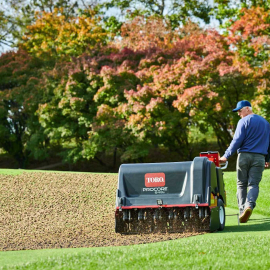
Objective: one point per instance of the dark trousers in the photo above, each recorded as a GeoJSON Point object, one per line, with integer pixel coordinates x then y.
{"type": "Point", "coordinates": [249, 174]}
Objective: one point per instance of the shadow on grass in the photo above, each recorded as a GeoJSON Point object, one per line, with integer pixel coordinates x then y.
{"type": "Point", "coordinates": [262, 224]}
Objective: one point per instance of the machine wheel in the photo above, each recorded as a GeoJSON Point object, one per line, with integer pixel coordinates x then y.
{"type": "Point", "coordinates": [221, 214]}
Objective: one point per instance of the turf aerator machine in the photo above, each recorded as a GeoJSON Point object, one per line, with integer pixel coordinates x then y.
{"type": "Point", "coordinates": [171, 197]}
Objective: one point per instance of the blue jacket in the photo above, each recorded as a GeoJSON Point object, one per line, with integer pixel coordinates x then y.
{"type": "Point", "coordinates": [252, 135]}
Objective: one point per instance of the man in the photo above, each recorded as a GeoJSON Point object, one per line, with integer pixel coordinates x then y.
{"type": "Point", "coordinates": [251, 141]}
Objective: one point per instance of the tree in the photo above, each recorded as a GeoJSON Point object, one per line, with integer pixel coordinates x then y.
{"type": "Point", "coordinates": [67, 114]}
{"type": "Point", "coordinates": [176, 12]}
{"type": "Point", "coordinates": [29, 78]}
{"type": "Point", "coordinates": [183, 82]}
{"type": "Point", "coordinates": [79, 91]}
{"type": "Point", "coordinates": [17, 15]}
{"type": "Point", "coordinates": [230, 11]}
{"type": "Point", "coordinates": [19, 98]}
{"type": "Point", "coordinates": [250, 38]}
{"type": "Point", "coordinates": [7, 26]}
{"type": "Point", "coordinates": [212, 80]}
{"type": "Point", "coordinates": [53, 36]}
{"type": "Point", "coordinates": [250, 35]}
{"type": "Point", "coordinates": [68, 118]}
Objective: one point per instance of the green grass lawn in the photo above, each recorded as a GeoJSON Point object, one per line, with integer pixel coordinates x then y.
{"type": "Point", "coordinates": [237, 247]}
{"type": "Point", "coordinates": [263, 202]}
{"type": "Point", "coordinates": [20, 171]}
{"type": "Point", "coordinates": [11, 171]}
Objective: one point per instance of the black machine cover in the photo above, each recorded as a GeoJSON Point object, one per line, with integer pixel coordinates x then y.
{"type": "Point", "coordinates": [172, 183]}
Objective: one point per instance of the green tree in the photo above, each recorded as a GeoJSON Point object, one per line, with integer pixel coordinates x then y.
{"type": "Point", "coordinates": [53, 36]}
{"type": "Point", "coordinates": [29, 78]}
{"type": "Point", "coordinates": [176, 12]}
{"type": "Point", "coordinates": [68, 114]}
{"type": "Point", "coordinates": [17, 15]}
{"type": "Point", "coordinates": [19, 98]}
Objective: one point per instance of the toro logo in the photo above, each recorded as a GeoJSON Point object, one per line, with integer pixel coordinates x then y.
{"type": "Point", "coordinates": [154, 179]}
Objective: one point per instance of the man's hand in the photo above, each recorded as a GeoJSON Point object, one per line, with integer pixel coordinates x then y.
{"type": "Point", "coordinates": [222, 159]}
{"type": "Point", "coordinates": [266, 165]}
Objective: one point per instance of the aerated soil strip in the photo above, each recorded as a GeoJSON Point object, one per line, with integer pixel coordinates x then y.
{"type": "Point", "coordinates": [62, 210]}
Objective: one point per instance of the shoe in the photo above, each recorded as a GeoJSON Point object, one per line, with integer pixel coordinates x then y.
{"type": "Point", "coordinates": [244, 217]}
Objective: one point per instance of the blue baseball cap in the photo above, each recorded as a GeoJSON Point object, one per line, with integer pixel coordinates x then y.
{"type": "Point", "coordinates": [241, 104]}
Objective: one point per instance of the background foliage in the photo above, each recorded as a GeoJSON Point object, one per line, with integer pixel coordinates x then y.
{"type": "Point", "coordinates": [149, 85]}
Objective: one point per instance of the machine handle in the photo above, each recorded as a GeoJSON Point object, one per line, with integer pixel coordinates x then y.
{"type": "Point", "coordinates": [225, 166]}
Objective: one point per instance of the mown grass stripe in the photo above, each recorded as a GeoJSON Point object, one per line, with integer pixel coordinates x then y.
{"type": "Point", "coordinates": [20, 171]}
